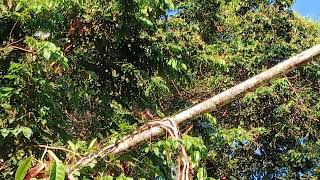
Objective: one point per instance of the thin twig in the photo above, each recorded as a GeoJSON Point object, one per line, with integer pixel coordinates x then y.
{"type": "Point", "coordinates": [2, 49]}
{"type": "Point", "coordinates": [45, 151]}
{"type": "Point", "coordinates": [174, 85]}
{"type": "Point", "coordinates": [59, 148]}
{"type": "Point", "coordinates": [300, 99]}
{"type": "Point", "coordinates": [14, 42]}
{"type": "Point", "coordinates": [12, 30]}
{"type": "Point", "coordinates": [23, 49]}
{"type": "Point", "coordinates": [188, 129]}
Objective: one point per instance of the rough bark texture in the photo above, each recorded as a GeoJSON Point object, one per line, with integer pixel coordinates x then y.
{"type": "Point", "coordinates": [147, 133]}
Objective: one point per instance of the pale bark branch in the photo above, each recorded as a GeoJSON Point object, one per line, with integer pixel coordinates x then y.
{"type": "Point", "coordinates": [150, 132]}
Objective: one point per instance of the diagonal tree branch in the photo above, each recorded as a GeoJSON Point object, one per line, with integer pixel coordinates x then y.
{"type": "Point", "coordinates": [151, 131]}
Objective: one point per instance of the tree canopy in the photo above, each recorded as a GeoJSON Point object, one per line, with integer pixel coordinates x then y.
{"type": "Point", "coordinates": [78, 75]}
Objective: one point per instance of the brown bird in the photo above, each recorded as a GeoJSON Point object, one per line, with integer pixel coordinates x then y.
{"type": "Point", "coordinates": [145, 115]}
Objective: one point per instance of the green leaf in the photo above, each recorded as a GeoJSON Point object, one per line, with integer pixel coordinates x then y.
{"type": "Point", "coordinates": [6, 89]}
{"type": "Point", "coordinates": [187, 142]}
{"type": "Point", "coordinates": [27, 132]}
{"type": "Point", "coordinates": [5, 132]}
{"type": "Point", "coordinates": [169, 4]}
{"type": "Point", "coordinates": [52, 47]}
{"type": "Point", "coordinates": [76, 173]}
{"type": "Point", "coordinates": [46, 54]}
{"type": "Point", "coordinates": [202, 174]}
{"type": "Point", "coordinates": [156, 151]}
{"type": "Point", "coordinates": [6, 106]}
{"type": "Point", "coordinates": [123, 177]}
{"type": "Point", "coordinates": [211, 119]}
{"type": "Point", "coordinates": [173, 63]}
{"type": "Point", "coordinates": [16, 131]}
{"type": "Point", "coordinates": [197, 156]}
{"type": "Point", "coordinates": [57, 171]}
{"type": "Point", "coordinates": [92, 144]}
{"type": "Point", "coordinates": [19, 6]}
{"type": "Point", "coordinates": [3, 95]}
{"type": "Point", "coordinates": [15, 67]}
{"type": "Point", "coordinates": [53, 156]}
{"type": "Point", "coordinates": [72, 146]}
{"type": "Point", "coordinates": [64, 62]}
{"type": "Point", "coordinates": [106, 178]}
{"type": "Point", "coordinates": [23, 168]}
{"type": "Point", "coordinates": [92, 164]}
{"type": "Point", "coordinates": [10, 76]}
{"type": "Point", "coordinates": [184, 66]}
{"type": "Point", "coordinates": [146, 21]}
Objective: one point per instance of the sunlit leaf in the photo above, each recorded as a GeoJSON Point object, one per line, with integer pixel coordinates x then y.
{"type": "Point", "coordinates": [23, 168]}
{"type": "Point", "coordinates": [93, 144]}
{"type": "Point", "coordinates": [53, 156]}
{"type": "Point", "coordinates": [57, 171]}
{"type": "Point", "coordinates": [146, 21]}
{"type": "Point", "coordinates": [4, 132]}
{"type": "Point", "coordinates": [46, 53]}
{"type": "Point", "coordinates": [27, 132]}
{"type": "Point", "coordinates": [202, 174]}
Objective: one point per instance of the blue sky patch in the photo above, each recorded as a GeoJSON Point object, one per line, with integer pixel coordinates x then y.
{"type": "Point", "coordinates": [308, 8]}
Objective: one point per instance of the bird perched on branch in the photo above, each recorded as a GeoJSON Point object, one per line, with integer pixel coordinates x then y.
{"type": "Point", "coordinates": [145, 115]}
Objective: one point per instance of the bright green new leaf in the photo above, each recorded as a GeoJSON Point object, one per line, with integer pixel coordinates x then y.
{"type": "Point", "coordinates": [46, 53]}
{"type": "Point", "coordinates": [23, 168]}
{"type": "Point", "coordinates": [4, 132]}
{"type": "Point", "coordinates": [57, 171]}
{"type": "Point", "coordinates": [10, 76]}
{"type": "Point", "coordinates": [15, 67]}
{"type": "Point", "coordinates": [202, 174]}
{"type": "Point", "coordinates": [184, 66]}
{"type": "Point", "coordinates": [197, 156]}
{"type": "Point", "coordinates": [93, 144]}
{"type": "Point", "coordinates": [173, 63]}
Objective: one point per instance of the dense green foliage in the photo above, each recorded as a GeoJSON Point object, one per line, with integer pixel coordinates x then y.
{"type": "Point", "coordinates": [73, 72]}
